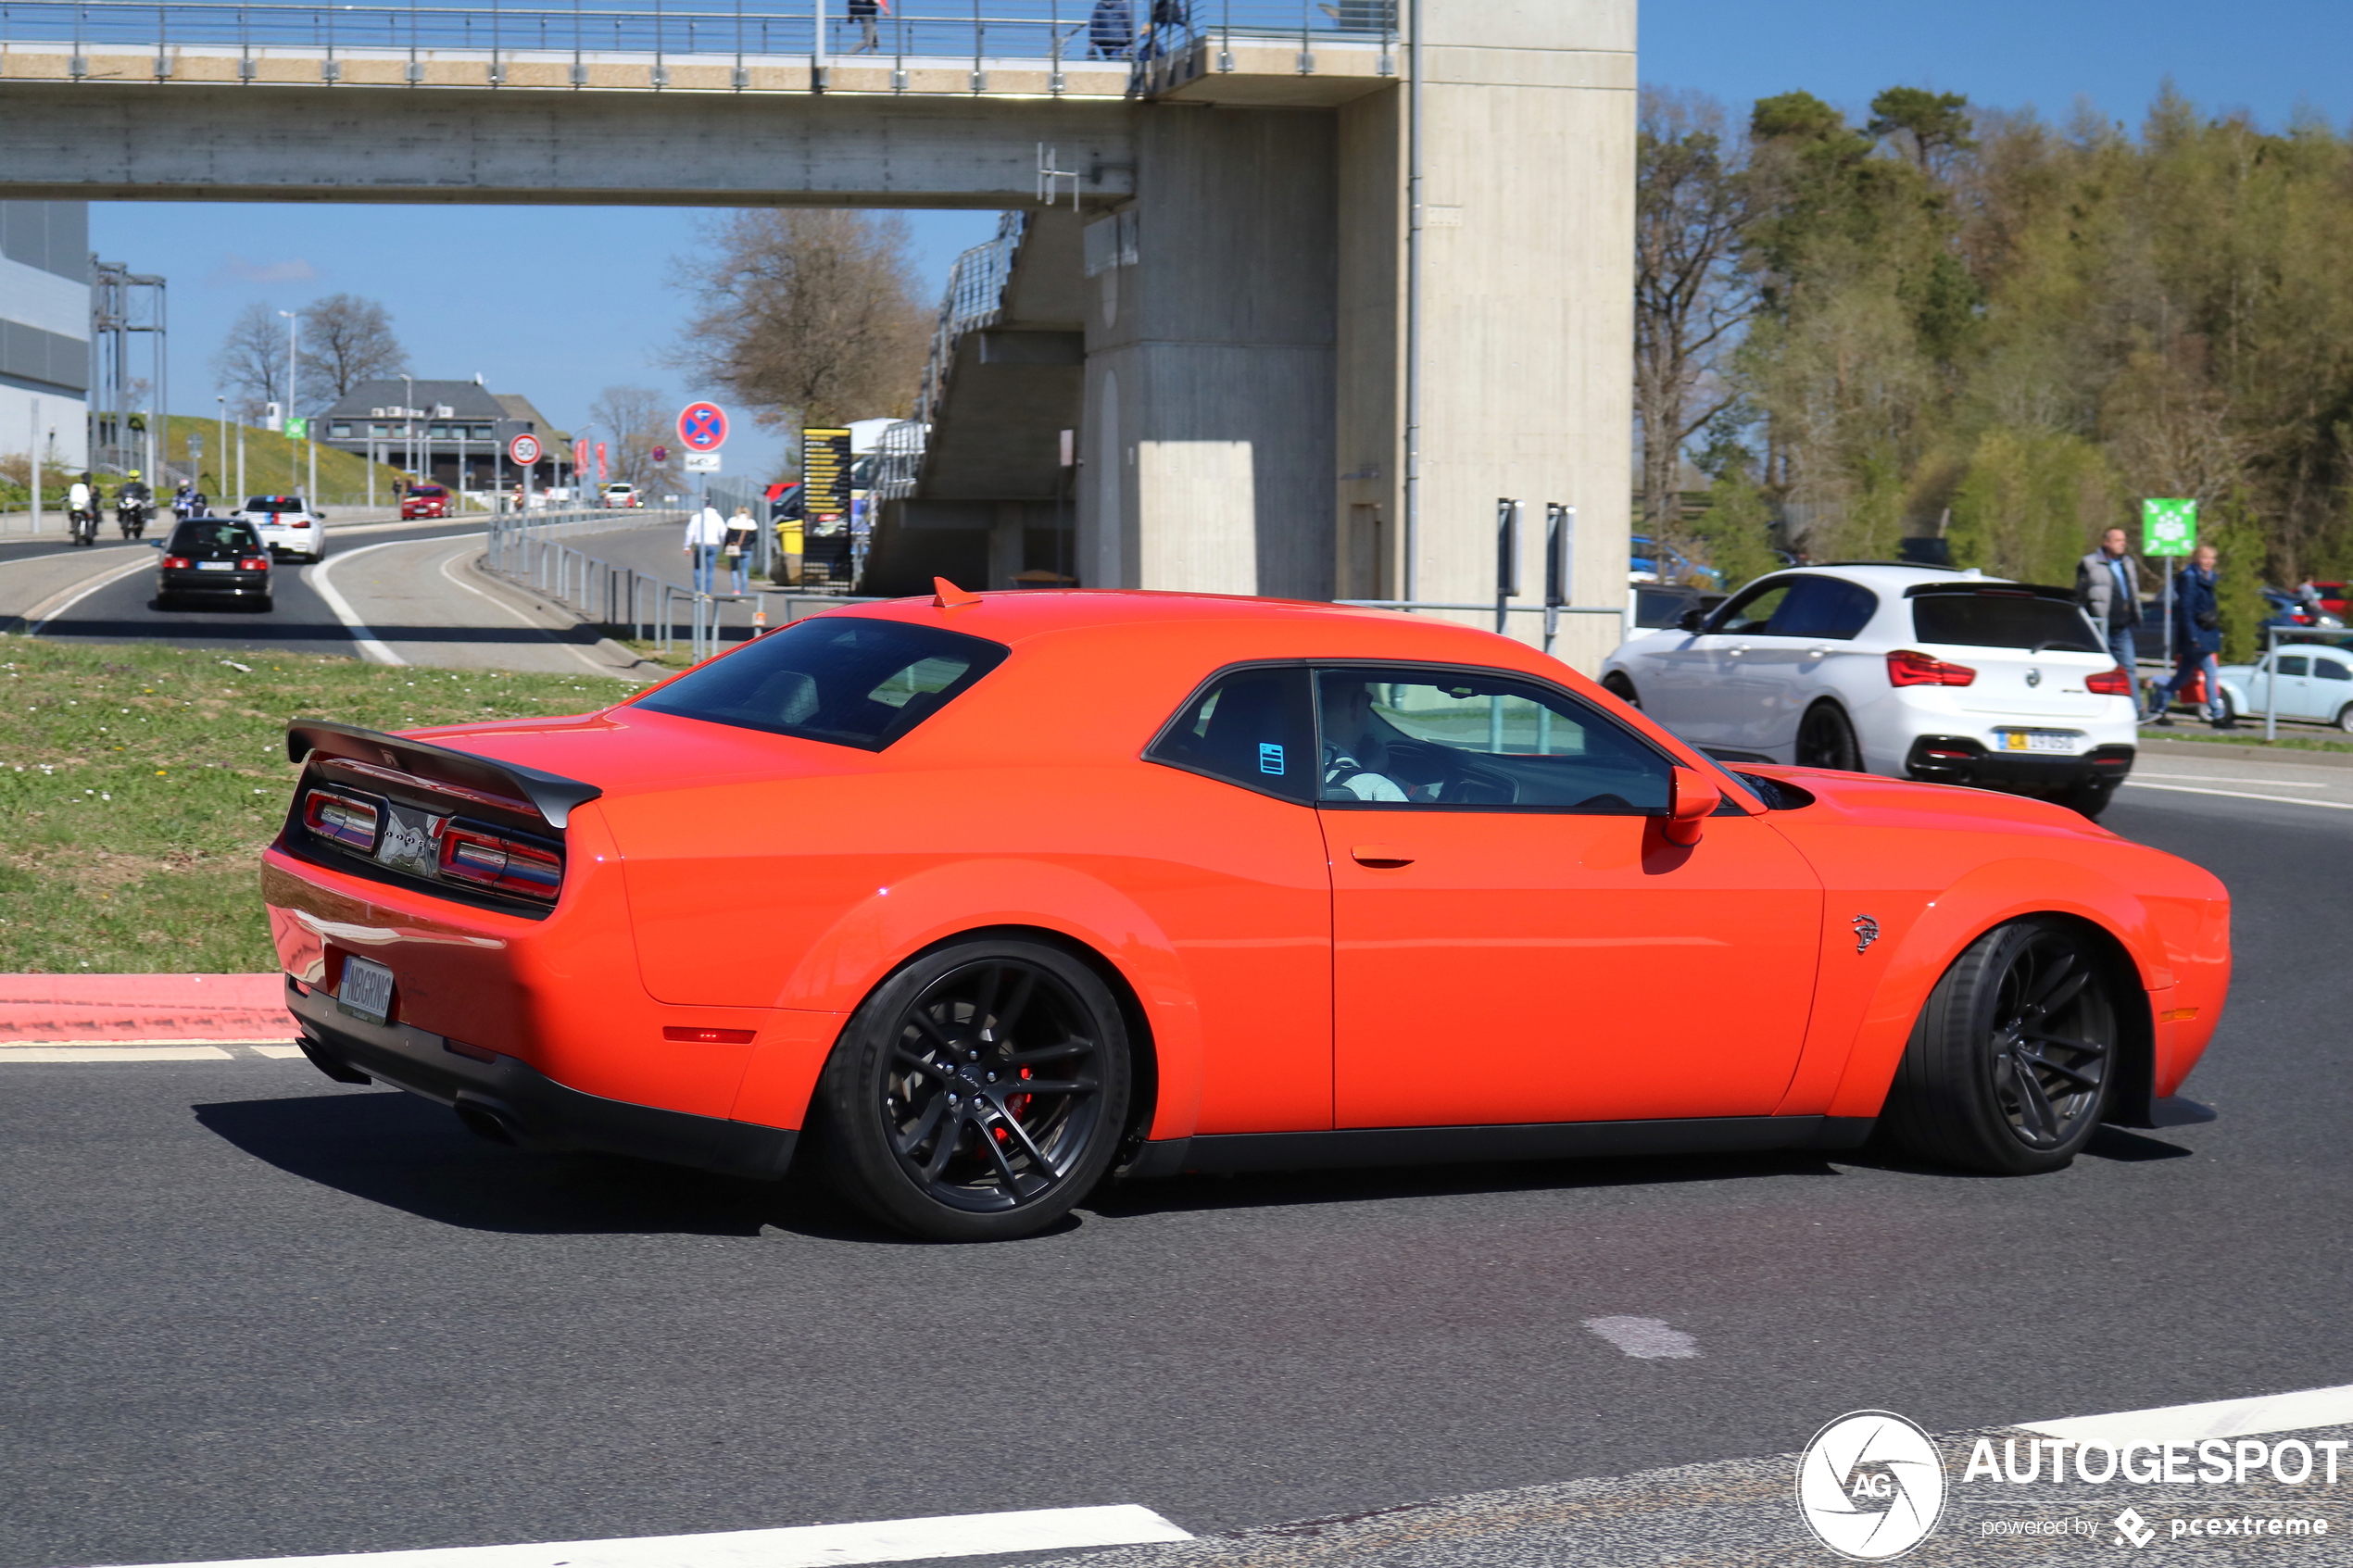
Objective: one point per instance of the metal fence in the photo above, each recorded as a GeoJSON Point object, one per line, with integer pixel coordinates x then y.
{"type": "Point", "coordinates": [817, 30]}
{"type": "Point", "coordinates": [530, 551]}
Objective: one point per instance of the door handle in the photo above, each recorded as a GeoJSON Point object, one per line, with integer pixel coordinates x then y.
{"type": "Point", "coordinates": [1379, 855]}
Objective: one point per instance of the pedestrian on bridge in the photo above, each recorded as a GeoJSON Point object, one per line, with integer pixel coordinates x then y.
{"type": "Point", "coordinates": [865, 13]}
{"type": "Point", "coordinates": [706, 531]}
{"type": "Point", "coordinates": [1111, 30]}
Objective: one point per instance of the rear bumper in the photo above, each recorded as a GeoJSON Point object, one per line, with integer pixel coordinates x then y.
{"type": "Point", "coordinates": [509, 1100]}
{"type": "Point", "coordinates": [239, 585]}
{"type": "Point", "coordinates": [1964, 761]}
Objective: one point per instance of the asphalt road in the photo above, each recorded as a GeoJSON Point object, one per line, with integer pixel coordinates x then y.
{"type": "Point", "coordinates": [252, 1312]}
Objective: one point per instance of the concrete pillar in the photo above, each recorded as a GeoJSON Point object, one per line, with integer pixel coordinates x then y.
{"type": "Point", "coordinates": [1210, 359]}
{"type": "Point", "coordinates": [1528, 315]}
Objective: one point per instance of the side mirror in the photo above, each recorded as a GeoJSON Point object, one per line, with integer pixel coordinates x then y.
{"type": "Point", "coordinates": [1692, 620]}
{"type": "Point", "coordinates": [322, 516]}
{"type": "Point", "coordinates": [1691, 800]}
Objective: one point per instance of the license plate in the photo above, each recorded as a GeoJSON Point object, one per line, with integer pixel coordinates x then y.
{"type": "Point", "coordinates": [367, 990]}
{"type": "Point", "coordinates": [216, 566]}
{"type": "Point", "coordinates": [2038, 740]}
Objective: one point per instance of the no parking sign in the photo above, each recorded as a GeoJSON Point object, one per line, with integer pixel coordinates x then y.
{"type": "Point", "coordinates": [702, 427]}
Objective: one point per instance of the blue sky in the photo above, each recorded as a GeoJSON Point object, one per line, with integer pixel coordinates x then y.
{"type": "Point", "coordinates": [559, 302]}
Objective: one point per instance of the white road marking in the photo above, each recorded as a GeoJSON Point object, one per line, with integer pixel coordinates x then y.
{"type": "Point", "coordinates": [369, 647]}
{"type": "Point", "coordinates": [115, 1053]}
{"type": "Point", "coordinates": [2241, 795]}
{"type": "Point", "coordinates": [1645, 1338]}
{"type": "Point", "coordinates": [117, 1044]}
{"type": "Point", "coordinates": [2228, 778]}
{"type": "Point", "coordinates": [577, 652]}
{"type": "Point", "coordinates": [805, 1546]}
{"type": "Point", "coordinates": [282, 1053]}
{"type": "Point", "coordinates": [102, 579]}
{"type": "Point", "coordinates": [2217, 1418]}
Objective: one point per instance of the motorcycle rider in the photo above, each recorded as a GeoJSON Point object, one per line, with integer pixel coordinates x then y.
{"type": "Point", "coordinates": [82, 511]}
{"type": "Point", "coordinates": [133, 504]}
{"type": "Point", "coordinates": [184, 501]}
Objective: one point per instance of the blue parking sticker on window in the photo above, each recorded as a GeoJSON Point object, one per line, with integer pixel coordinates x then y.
{"type": "Point", "coordinates": [1270, 759]}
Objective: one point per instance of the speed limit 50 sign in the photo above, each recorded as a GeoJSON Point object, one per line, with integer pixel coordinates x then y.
{"type": "Point", "coordinates": [524, 448]}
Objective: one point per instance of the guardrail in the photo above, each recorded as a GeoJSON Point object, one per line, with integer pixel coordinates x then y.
{"type": "Point", "coordinates": [529, 553]}
{"type": "Point", "coordinates": [1138, 31]}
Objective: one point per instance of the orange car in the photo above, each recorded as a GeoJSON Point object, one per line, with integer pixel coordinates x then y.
{"type": "Point", "coordinates": [993, 895]}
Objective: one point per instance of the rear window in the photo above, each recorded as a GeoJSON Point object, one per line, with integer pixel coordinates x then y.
{"type": "Point", "coordinates": [1997, 619]}
{"type": "Point", "coordinates": [274, 504]}
{"type": "Point", "coordinates": [198, 534]}
{"type": "Point", "coordinates": [840, 679]}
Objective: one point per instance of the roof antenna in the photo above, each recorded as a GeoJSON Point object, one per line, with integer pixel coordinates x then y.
{"type": "Point", "coordinates": [947, 595]}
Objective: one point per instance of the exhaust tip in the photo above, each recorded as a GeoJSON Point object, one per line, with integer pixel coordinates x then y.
{"type": "Point", "coordinates": [487, 1122]}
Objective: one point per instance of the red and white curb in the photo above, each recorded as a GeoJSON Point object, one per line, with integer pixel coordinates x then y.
{"type": "Point", "coordinates": [142, 1017]}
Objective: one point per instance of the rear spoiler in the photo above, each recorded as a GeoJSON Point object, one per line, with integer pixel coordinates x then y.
{"type": "Point", "coordinates": [1993, 588]}
{"type": "Point", "coordinates": [551, 795]}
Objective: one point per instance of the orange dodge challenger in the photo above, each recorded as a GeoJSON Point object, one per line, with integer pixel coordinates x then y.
{"type": "Point", "coordinates": [971, 901]}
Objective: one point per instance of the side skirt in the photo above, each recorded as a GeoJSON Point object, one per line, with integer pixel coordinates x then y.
{"type": "Point", "coordinates": [1222, 1152]}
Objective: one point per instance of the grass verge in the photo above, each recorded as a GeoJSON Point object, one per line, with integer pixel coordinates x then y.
{"type": "Point", "coordinates": [2244, 737]}
{"type": "Point", "coordinates": [139, 783]}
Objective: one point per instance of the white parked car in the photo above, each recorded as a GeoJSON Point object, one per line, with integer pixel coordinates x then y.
{"type": "Point", "coordinates": [287, 525]}
{"type": "Point", "coordinates": [621, 496]}
{"type": "Point", "coordinates": [2316, 683]}
{"type": "Point", "coordinates": [1912, 671]}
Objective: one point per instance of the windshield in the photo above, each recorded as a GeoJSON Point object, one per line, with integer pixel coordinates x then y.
{"type": "Point", "coordinates": [274, 504]}
{"type": "Point", "coordinates": [840, 679]}
{"type": "Point", "coordinates": [199, 536]}
{"type": "Point", "coordinates": [1994, 617]}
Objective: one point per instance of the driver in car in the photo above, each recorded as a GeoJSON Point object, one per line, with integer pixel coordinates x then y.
{"type": "Point", "coordinates": [1354, 749]}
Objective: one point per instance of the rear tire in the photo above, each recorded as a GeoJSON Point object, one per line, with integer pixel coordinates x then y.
{"type": "Point", "coordinates": [2008, 1067]}
{"type": "Point", "coordinates": [1826, 740]}
{"type": "Point", "coordinates": [1619, 686]}
{"type": "Point", "coordinates": [2345, 717]}
{"type": "Point", "coordinates": [977, 1094]}
{"type": "Point", "coordinates": [2091, 797]}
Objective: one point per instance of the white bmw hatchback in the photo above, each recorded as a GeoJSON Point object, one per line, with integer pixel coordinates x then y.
{"type": "Point", "coordinates": [287, 525]}
{"type": "Point", "coordinates": [1912, 671]}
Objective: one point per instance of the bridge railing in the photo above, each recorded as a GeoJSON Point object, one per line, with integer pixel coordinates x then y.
{"type": "Point", "coordinates": [1138, 31]}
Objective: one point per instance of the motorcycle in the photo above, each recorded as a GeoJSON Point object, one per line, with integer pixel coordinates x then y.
{"type": "Point", "coordinates": [83, 522]}
{"type": "Point", "coordinates": [130, 515]}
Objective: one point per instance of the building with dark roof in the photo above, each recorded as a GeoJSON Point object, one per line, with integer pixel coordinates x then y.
{"type": "Point", "coordinates": [453, 432]}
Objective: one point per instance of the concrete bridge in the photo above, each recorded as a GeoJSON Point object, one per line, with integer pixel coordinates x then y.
{"type": "Point", "coordinates": [1213, 292]}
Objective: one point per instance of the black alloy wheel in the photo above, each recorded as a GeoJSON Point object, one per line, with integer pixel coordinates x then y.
{"type": "Point", "coordinates": [979, 1093]}
{"type": "Point", "coordinates": [2009, 1068]}
{"type": "Point", "coordinates": [1619, 686]}
{"type": "Point", "coordinates": [2345, 717]}
{"type": "Point", "coordinates": [1826, 740]}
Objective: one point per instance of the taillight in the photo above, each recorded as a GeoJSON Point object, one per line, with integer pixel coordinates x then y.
{"type": "Point", "coordinates": [2110, 682]}
{"type": "Point", "coordinates": [503, 865]}
{"type": "Point", "coordinates": [341, 818]}
{"type": "Point", "coordinates": [254, 563]}
{"type": "Point", "coordinates": [176, 563]}
{"type": "Point", "coordinates": [1908, 667]}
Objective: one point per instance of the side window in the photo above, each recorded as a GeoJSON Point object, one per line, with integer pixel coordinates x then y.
{"type": "Point", "coordinates": [1255, 728]}
{"type": "Point", "coordinates": [1753, 610]}
{"type": "Point", "coordinates": [1823, 607]}
{"type": "Point", "coordinates": [2330, 670]}
{"type": "Point", "coordinates": [1477, 740]}
{"type": "Point", "coordinates": [2292, 664]}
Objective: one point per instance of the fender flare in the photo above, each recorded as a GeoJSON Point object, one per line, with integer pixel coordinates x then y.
{"type": "Point", "coordinates": [1989, 895]}
{"type": "Point", "coordinates": [874, 937]}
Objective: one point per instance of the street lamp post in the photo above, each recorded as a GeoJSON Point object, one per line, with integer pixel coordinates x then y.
{"type": "Point", "coordinates": [294, 336]}
{"type": "Point", "coordinates": [223, 448]}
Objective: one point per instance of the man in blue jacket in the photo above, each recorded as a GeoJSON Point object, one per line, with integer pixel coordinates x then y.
{"type": "Point", "coordinates": [2198, 639]}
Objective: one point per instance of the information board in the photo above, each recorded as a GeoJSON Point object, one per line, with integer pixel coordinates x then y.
{"type": "Point", "coordinates": [2168, 527]}
{"type": "Point", "coordinates": [825, 470]}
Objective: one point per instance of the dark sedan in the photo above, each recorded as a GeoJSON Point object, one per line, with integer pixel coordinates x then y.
{"type": "Point", "coordinates": [214, 558]}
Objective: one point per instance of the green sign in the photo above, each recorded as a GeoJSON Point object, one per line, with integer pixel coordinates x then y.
{"type": "Point", "coordinates": [299, 430]}
{"type": "Point", "coordinates": [2169, 528]}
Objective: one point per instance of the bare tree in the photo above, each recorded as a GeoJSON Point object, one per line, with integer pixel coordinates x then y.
{"type": "Point", "coordinates": [251, 363]}
{"type": "Point", "coordinates": [346, 340]}
{"type": "Point", "coordinates": [808, 316]}
{"type": "Point", "coordinates": [1691, 296]}
{"type": "Point", "coordinates": [635, 419]}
